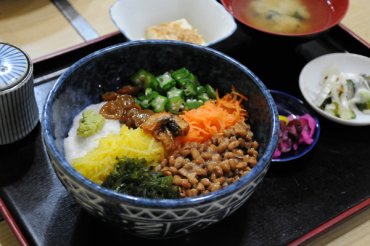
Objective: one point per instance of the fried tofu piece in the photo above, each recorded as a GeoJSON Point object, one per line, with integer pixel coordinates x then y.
{"type": "Point", "coordinates": [180, 30]}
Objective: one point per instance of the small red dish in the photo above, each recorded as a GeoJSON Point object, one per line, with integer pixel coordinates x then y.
{"type": "Point", "coordinates": [313, 16]}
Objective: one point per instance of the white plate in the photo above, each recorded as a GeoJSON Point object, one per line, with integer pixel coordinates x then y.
{"type": "Point", "coordinates": [311, 76]}
{"type": "Point", "coordinates": [210, 18]}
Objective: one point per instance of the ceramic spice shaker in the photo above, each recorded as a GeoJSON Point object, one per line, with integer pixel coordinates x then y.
{"type": "Point", "coordinates": [18, 107]}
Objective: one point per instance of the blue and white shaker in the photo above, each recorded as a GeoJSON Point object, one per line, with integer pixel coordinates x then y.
{"type": "Point", "coordinates": [18, 107]}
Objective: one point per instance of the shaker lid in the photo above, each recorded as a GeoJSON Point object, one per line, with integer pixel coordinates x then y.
{"type": "Point", "coordinates": [14, 66]}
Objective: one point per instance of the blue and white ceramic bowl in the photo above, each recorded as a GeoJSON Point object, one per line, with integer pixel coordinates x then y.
{"type": "Point", "coordinates": [84, 82]}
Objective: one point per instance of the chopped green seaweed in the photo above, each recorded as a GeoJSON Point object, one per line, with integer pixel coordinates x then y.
{"type": "Point", "coordinates": [136, 177]}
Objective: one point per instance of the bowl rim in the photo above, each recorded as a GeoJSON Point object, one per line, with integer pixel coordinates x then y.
{"type": "Point", "coordinates": [316, 135]}
{"type": "Point", "coordinates": [53, 151]}
{"type": "Point", "coordinates": [218, 5]}
{"type": "Point", "coordinates": [297, 35]}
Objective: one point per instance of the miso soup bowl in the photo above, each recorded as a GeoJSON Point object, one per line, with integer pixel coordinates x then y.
{"type": "Point", "coordinates": [324, 14]}
{"type": "Point", "coordinates": [84, 82]}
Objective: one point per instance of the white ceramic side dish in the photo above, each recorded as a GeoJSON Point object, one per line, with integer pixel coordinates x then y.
{"type": "Point", "coordinates": [312, 74]}
{"type": "Point", "coordinates": [210, 18]}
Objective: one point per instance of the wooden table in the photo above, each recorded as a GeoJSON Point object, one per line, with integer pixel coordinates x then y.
{"type": "Point", "coordinates": [39, 28]}
{"type": "Point", "coordinates": [357, 20]}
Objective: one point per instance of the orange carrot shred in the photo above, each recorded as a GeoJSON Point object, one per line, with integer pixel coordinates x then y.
{"type": "Point", "coordinates": [213, 117]}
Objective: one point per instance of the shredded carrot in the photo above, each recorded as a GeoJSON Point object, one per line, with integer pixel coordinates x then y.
{"type": "Point", "coordinates": [213, 117]}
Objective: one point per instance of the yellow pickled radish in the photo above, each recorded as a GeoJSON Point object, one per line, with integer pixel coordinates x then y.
{"type": "Point", "coordinates": [283, 118]}
{"type": "Point", "coordinates": [99, 162]}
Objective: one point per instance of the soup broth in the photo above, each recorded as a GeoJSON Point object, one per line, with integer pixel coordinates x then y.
{"type": "Point", "coordinates": [286, 16]}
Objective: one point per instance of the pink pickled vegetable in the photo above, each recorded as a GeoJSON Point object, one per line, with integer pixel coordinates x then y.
{"type": "Point", "coordinates": [298, 130]}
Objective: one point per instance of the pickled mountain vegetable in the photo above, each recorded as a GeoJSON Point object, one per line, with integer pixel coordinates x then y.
{"type": "Point", "coordinates": [165, 127]}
